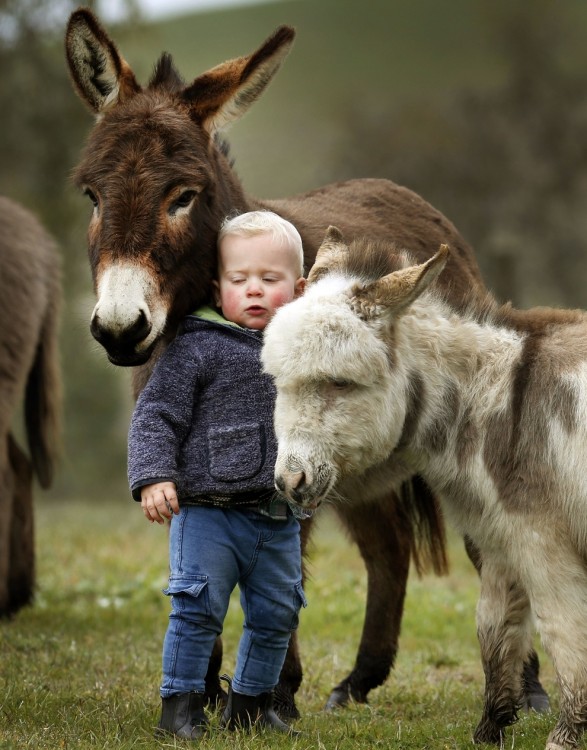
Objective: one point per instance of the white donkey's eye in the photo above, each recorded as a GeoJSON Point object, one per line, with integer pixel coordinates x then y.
{"type": "Point", "coordinates": [340, 384]}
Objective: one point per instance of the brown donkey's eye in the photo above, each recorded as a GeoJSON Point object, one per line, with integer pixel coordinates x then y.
{"type": "Point", "coordinates": [91, 195]}
{"type": "Point", "coordinates": [183, 201]}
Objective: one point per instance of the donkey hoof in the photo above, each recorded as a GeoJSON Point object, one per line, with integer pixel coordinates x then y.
{"type": "Point", "coordinates": [215, 697]}
{"type": "Point", "coordinates": [342, 695]}
{"type": "Point", "coordinates": [538, 702]}
{"type": "Point", "coordinates": [338, 698]}
{"type": "Point", "coordinates": [284, 703]}
{"type": "Point", "coordinates": [488, 733]}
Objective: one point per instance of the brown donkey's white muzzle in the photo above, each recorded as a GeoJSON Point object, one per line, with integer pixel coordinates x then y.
{"type": "Point", "coordinates": [129, 316]}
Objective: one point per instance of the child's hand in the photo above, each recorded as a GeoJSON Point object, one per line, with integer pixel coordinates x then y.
{"type": "Point", "coordinates": [159, 501]}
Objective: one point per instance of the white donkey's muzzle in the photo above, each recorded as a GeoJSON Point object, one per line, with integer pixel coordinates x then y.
{"type": "Point", "coordinates": [303, 483]}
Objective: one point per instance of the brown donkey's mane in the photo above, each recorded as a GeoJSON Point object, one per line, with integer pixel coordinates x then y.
{"type": "Point", "coordinates": [371, 259]}
{"type": "Point", "coordinates": [165, 75]}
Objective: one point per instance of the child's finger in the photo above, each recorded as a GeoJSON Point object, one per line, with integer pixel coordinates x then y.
{"type": "Point", "coordinates": [172, 501]}
{"type": "Point", "coordinates": [162, 505]}
{"type": "Point", "coordinates": [151, 509]}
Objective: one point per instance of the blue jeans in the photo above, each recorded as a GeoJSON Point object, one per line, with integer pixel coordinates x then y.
{"type": "Point", "coordinates": [211, 550]}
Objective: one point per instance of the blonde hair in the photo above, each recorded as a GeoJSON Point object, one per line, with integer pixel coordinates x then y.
{"type": "Point", "coordinates": [254, 223]}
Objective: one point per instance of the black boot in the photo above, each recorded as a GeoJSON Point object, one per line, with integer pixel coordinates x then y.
{"type": "Point", "coordinates": [183, 715]}
{"type": "Point", "coordinates": [245, 711]}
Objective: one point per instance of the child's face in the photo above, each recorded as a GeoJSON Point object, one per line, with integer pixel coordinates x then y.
{"type": "Point", "coordinates": [256, 276]}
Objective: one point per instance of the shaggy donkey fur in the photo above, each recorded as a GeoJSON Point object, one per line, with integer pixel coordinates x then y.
{"type": "Point", "coordinates": [378, 379]}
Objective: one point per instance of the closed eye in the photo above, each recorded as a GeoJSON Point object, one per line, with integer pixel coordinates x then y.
{"type": "Point", "coordinates": [340, 384]}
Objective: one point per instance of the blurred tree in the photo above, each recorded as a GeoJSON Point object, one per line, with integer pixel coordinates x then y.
{"type": "Point", "coordinates": [42, 125]}
{"type": "Point", "coordinates": [508, 164]}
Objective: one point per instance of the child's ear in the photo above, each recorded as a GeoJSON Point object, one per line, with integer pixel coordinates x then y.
{"type": "Point", "coordinates": [299, 287]}
{"type": "Point", "coordinates": [216, 293]}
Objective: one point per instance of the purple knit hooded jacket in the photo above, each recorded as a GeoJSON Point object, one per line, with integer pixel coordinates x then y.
{"type": "Point", "coordinates": [205, 418]}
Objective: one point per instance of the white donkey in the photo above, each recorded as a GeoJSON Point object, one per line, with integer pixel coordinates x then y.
{"type": "Point", "coordinates": [378, 378]}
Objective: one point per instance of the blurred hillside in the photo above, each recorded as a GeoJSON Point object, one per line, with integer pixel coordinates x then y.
{"type": "Point", "coordinates": [478, 105]}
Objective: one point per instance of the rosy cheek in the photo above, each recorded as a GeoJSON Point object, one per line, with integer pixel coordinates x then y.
{"type": "Point", "coordinates": [230, 299]}
{"type": "Point", "coordinates": [279, 297]}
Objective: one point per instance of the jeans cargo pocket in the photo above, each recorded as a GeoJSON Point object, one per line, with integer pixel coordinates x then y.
{"type": "Point", "coordinates": [300, 601]}
{"type": "Point", "coordinates": [189, 596]}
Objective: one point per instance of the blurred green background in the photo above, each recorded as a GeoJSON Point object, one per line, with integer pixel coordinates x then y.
{"type": "Point", "coordinates": [478, 105]}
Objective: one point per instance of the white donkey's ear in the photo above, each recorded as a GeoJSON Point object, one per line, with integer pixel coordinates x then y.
{"type": "Point", "coordinates": [331, 253]}
{"type": "Point", "coordinates": [394, 293]}
{"type": "Point", "coordinates": [101, 76]}
{"type": "Point", "coordinates": [223, 94]}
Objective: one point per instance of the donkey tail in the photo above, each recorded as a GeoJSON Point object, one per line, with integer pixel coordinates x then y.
{"type": "Point", "coordinates": [425, 518]}
{"type": "Point", "coordinates": [43, 398]}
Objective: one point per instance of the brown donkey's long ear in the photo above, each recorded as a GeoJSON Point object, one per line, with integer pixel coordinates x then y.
{"type": "Point", "coordinates": [392, 294]}
{"type": "Point", "coordinates": [100, 74]}
{"type": "Point", "coordinates": [330, 254]}
{"type": "Point", "coordinates": [223, 94]}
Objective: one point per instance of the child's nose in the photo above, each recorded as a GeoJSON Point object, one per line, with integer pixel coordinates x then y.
{"type": "Point", "coordinates": [254, 287]}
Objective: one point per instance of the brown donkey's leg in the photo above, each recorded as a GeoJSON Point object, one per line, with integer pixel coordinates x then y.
{"type": "Point", "coordinates": [6, 511]}
{"type": "Point", "coordinates": [215, 695]}
{"type": "Point", "coordinates": [383, 532]}
{"type": "Point", "coordinates": [21, 571]}
{"type": "Point", "coordinates": [6, 505]}
{"type": "Point", "coordinates": [384, 539]}
{"type": "Point", "coordinates": [290, 678]}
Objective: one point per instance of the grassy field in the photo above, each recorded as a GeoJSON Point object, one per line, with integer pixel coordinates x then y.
{"type": "Point", "coordinates": [81, 668]}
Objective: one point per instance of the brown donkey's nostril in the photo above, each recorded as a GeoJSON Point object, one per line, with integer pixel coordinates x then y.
{"type": "Point", "coordinates": [134, 334]}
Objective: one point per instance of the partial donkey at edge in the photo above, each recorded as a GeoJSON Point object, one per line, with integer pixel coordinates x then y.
{"type": "Point", "coordinates": [30, 298]}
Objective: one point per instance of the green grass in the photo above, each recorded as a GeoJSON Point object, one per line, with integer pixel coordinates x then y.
{"type": "Point", "coordinates": [81, 668]}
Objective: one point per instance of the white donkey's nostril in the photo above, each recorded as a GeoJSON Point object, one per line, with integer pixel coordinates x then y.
{"type": "Point", "coordinates": [292, 484]}
{"type": "Point", "coordinates": [297, 480]}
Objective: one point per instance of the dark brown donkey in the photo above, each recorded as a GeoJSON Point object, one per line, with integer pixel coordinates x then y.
{"type": "Point", "coordinates": [29, 302]}
{"type": "Point", "coordinates": [160, 180]}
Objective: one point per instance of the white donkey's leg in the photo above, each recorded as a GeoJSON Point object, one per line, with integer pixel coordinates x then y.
{"type": "Point", "coordinates": [558, 589]}
{"type": "Point", "coordinates": [504, 632]}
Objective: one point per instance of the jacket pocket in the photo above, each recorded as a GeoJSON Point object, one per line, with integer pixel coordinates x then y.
{"type": "Point", "coordinates": [236, 453]}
